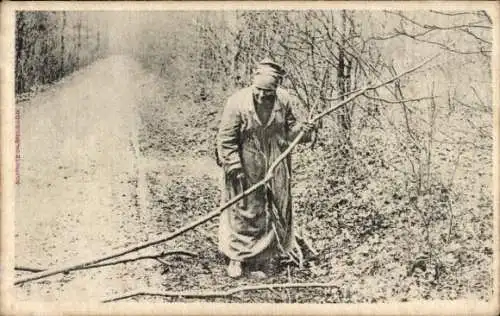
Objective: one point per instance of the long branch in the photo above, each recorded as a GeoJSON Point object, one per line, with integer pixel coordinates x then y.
{"type": "Point", "coordinates": [229, 203]}
{"type": "Point", "coordinates": [99, 265]}
{"type": "Point", "coordinates": [230, 292]}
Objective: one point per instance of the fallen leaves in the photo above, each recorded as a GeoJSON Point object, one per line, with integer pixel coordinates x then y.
{"type": "Point", "coordinates": [359, 212]}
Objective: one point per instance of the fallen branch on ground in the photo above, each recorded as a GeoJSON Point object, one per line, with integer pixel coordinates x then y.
{"type": "Point", "coordinates": [230, 292]}
{"type": "Point", "coordinates": [28, 269]}
{"type": "Point", "coordinates": [153, 257]}
{"type": "Point", "coordinates": [269, 175]}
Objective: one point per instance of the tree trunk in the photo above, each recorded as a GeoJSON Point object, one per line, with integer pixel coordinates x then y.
{"type": "Point", "coordinates": [63, 52]}
{"type": "Point", "coordinates": [79, 42]}
{"type": "Point", "coordinates": [343, 83]}
{"type": "Point", "coordinates": [19, 52]}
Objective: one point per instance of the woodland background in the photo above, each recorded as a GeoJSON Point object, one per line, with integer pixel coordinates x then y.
{"type": "Point", "coordinates": [395, 194]}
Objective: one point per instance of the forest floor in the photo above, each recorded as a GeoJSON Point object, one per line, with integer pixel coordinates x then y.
{"type": "Point", "coordinates": [112, 156]}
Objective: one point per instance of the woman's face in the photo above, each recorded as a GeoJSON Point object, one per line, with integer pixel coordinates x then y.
{"type": "Point", "coordinates": [263, 96]}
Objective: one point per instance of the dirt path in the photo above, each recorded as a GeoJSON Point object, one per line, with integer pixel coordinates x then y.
{"type": "Point", "coordinates": [80, 192]}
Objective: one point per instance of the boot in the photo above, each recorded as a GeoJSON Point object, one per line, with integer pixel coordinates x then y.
{"type": "Point", "coordinates": [234, 269]}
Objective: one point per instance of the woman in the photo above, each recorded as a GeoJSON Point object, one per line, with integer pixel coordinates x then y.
{"type": "Point", "coordinates": [256, 126]}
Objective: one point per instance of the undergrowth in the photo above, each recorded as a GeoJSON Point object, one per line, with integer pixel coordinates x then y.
{"type": "Point", "coordinates": [380, 234]}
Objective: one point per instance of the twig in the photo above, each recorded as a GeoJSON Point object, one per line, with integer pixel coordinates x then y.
{"type": "Point", "coordinates": [468, 31]}
{"type": "Point", "coordinates": [373, 87]}
{"type": "Point", "coordinates": [28, 269]}
{"type": "Point", "coordinates": [441, 45]}
{"type": "Point", "coordinates": [340, 96]}
{"type": "Point", "coordinates": [230, 292]}
{"type": "Point", "coordinates": [466, 28]}
{"type": "Point", "coordinates": [455, 166]}
{"type": "Point", "coordinates": [479, 98]}
{"type": "Point", "coordinates": [404, 17]}
{"type": "Point", "coordinates": [307, 244]}
{"type": "Point", "coordinates": [485, 109]}
{"type": "Point", "coordinates": [234, 200]}
{"type": "Point", "coordinates": [487, 16]}
{"type": "Point", "coordinates": [399, 93]}
{"type": "Point", "coordinates": [161, 261]}
{"type": "Point", "coordinates": [154, 257]}
{"type": "Point", "coordinates": [432, 119]}
{"type": "Point", "coordinates": [450, 227]}
{"type": "Point", "coordinates": [289, 280]}
{"type": "Point", "coordinates": [395, 101]}
{"type": "Point", "coordinates": [452, 14]}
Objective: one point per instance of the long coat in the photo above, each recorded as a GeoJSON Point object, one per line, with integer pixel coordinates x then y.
{"type": "Point", "coordinates": [261, 224]}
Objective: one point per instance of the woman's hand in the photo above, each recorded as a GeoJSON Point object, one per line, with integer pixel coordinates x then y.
{"type": "Point", "coordinates": [236, 174]}
{"type": "Point", "coordinates": [238, 185]}
{"type": "Point", "coordinates": [308, 127]}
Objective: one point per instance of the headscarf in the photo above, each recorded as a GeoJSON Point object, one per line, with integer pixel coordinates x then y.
{"type": "Point", "coordinates": [268, 75]}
